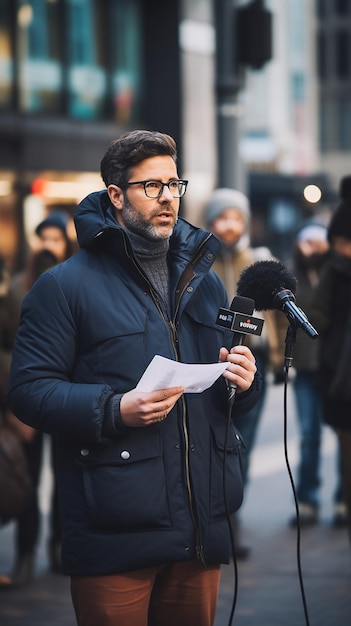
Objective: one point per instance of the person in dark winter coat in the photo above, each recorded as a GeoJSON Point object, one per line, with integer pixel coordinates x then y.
{"type": "Point", "coordinates": [332, 318]}
{"type": "Point", "coordinates": [52, 246]}
{"type": "Point", "coordinates": [140, 474]}
{"type": "Point", "coordinates": [311, 253]}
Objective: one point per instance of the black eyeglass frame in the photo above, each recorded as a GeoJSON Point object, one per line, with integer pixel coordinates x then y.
{"type": "Point", "coordinates": [163, 185]}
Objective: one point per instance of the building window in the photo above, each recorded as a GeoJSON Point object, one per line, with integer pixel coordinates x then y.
{"type": "Point", "coordinates": [38, 57]}
{"type": "Point", "coordinates": [6, 65]}
{"type": "Point", "coordinates": [77, 58]}
{"type": "Point", "coordinates": [344, 118]}
{"type": "Point", "coordinates": [298, 87]}
{"type": "Point", "coordinates": [321, 56]}
{"type": "Point", "coordinates": [87, 81]}
{"type": "Point", "coordinates": [342, 7]}
{"type": "Point", "coordinates": [321, 9]}
{"type": "Point", "coordinates": [323, 121]}
{"type": "Point", "coordinates": [126, 51]}
{"type": "Point", "coordinates": [342, 54]}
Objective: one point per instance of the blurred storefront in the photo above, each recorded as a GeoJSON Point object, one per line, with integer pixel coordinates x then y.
{"type": "Point", "coordinates": [74, 75]}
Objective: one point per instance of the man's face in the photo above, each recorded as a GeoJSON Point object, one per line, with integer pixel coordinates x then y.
{"type": "Point", "coordinates": [229, 226]}
{"type": "Point", "coordinates": [152, 218]}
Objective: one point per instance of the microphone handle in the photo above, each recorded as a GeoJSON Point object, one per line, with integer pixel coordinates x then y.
{"type": "Point", "coordinates": [238, 340]}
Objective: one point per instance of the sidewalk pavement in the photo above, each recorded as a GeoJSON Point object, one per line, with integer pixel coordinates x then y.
{"type": "Point", "coordinates": [268, 587]}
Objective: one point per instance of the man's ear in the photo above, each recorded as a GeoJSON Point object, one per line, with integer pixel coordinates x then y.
{"type": "Point", "coordinates": [116, 196]}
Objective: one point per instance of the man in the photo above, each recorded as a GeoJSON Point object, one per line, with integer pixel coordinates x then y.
{"type": "Point", "coordinates": [140, 474]}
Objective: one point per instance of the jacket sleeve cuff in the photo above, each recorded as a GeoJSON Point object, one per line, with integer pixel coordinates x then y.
{"type": "Point", "coordinates": [247, 399]}
{"type": "Point", "coordinates": [113, 423]}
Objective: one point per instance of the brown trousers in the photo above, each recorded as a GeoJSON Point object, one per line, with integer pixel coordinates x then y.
{"type": "Point", "coordinates": [181, 593]}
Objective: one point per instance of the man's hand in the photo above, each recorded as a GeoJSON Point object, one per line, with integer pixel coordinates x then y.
{"type": "Point", "coordinates": [242, 370]}
{"type": "Point", "coordinates": [145, 408]}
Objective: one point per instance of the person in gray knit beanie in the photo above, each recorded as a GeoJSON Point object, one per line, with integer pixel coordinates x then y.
{"type": "Point", "coordinates": [227, 214]}
{"type": "Point", "coordinates": [222, 200]}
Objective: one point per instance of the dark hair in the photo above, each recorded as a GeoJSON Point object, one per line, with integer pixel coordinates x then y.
{"type": "Point", "coordinates": [41, 262]}
{"type": "Point", "coordinates": [132, 148]}
{"type": "Point", "coordinates": [340, 223]}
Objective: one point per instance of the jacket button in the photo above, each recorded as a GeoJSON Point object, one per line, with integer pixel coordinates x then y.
{"type": "Point", "coordinates": [125, 455]}
{"type": "Point", "coordinates": [189, 289]}
{"type": "Point", "coordinates": [84, 452]}
{"type": "Point", "coordinates": [210, 256]}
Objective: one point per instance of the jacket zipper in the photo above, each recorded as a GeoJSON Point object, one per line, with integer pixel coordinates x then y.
{"type": "Point", "coordinates": [198, 547]}
{"type": "Point", "coordinates": [173, 333]}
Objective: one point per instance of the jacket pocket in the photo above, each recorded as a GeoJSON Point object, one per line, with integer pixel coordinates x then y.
{"type": "Point", "coordinates": [233, 493]}
{"type": "Point", "coordinates": [125, 484]}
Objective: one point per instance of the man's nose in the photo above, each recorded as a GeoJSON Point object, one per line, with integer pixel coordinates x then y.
{"type": "Point", "coordinates": [166, 193]}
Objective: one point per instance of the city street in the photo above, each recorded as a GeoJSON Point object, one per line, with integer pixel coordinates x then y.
{"type": "Point", "coordinates": [269, 590]}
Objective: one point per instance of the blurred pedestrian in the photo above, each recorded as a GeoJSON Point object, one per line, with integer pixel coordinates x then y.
{"type": "Point", "coordinates": [140, 473]}
{"type": "Point", "coordinates": [53, 247]}
{"type": "Point", "coordinates": [228, 215]}
{"type": "Point", "coordinates": [332, 318]}
{"type": "Point", "coordinates": [8, 328]}
{"type": "Point", "coordinates": [311, 253]}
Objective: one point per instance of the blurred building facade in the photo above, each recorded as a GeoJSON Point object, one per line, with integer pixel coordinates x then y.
{"type": "Point", "coordinates": [293, 115]}
{"type": "Point", "coordinates": [75, 74]}
{"type": "Point", "coordinates": [333, 21]}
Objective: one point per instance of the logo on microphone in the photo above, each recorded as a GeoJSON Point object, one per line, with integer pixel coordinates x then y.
{"type": "Point", "coordinates": [239, 322]}
{"type": "Point", "coordinates": [248, 324]}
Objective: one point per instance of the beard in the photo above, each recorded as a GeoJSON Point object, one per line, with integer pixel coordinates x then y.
{"type": "Point", "coordinates": [313, 261]}
{"type": "Point", "coordinates": [138, 224]}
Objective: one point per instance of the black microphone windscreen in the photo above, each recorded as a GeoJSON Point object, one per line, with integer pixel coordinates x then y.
{"type": "Point", "coordinates": [262, 280]}
{"type": "Point", "coordinates": [241, 304]}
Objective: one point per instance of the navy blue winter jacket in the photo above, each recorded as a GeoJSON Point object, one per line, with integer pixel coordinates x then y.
{"type": "Point", "coordinates": [135, 497]}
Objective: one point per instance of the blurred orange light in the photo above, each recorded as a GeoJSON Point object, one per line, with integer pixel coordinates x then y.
{"type": "Point", "coordinates": [38, 186]}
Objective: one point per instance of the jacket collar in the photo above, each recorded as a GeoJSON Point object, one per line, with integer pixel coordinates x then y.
{"type": "Point", "coordinates": [192, 249]}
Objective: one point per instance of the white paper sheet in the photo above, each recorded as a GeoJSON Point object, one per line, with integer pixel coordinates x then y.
{"type": "Point", "coordinates": [163, 373]}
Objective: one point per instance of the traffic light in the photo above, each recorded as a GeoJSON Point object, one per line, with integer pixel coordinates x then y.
{"type": "Point", "coordinates": [253, 27]}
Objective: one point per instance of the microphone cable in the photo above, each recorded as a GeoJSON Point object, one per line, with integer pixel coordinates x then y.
{"type": "Point", "coordinates": [231, 399]}
{"type": "Point", "coordinates": [290, 339]}
{"type": "Point", "coordinates": [298, 525]}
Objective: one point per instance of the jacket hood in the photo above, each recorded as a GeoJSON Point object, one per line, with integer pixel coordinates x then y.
{"type": "Point", "coordinates": [94, 216]}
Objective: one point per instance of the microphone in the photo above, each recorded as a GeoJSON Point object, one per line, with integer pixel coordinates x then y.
{"type": "Point", "coordinates": [273, 287]}
{"type": "Point", "coordinates": [239, 320]}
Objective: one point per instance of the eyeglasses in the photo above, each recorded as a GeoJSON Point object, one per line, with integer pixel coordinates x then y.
{"type": "Point", "coordinates": [154, 188]}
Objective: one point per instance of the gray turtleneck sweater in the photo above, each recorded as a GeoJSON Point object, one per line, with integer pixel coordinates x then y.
{"type": "Point", "coordinates": [152, 256]}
